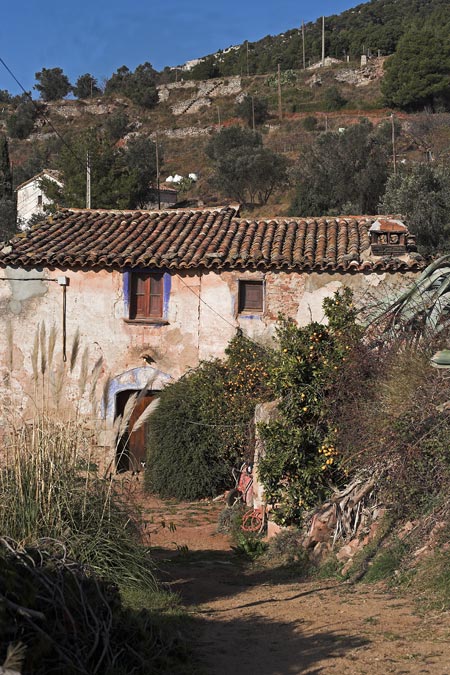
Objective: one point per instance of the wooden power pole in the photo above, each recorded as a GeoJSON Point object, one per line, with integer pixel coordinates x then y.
{"type": "Point", "coordinates": [280, 109]}
{"type": "Point", "coordinates": [303, 45]}
{"type": "Point", "coordinates": [157, 173]}
{"type": "Point", "coordinates": [394, 151]}
{"type": "Point", "coordinates": [323, 41]}
{"type": "Point", "coordinates": [88, 181]}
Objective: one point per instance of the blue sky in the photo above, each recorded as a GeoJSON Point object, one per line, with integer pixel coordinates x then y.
{"type": "Point", "coordinates": [98, 36]}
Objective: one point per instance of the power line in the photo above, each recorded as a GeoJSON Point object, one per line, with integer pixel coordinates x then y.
{"type": "Point", "coordinates": [236, 327]}
{"type": "Point", "coordinates": [49, 122]}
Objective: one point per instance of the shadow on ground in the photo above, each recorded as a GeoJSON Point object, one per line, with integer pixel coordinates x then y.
{"type": "Point", "coordinates": [231, 633]}
{"type": "Point", "coordinates": [253, 644]}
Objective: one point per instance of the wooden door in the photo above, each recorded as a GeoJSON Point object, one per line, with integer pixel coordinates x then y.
{"type": "Point", "coordinates": [132, 448]}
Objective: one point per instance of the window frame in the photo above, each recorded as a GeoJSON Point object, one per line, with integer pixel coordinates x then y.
{"type": "Point", "coordinates": [243, 309]}
{"type": "Point", "coordinates": [149, 286]}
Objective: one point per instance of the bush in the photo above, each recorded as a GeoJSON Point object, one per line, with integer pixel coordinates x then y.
{"type": "Point", "coordinates": [333, 99]}
{"type": "Point", "coordinates": [310, 123]}
{"type": "Point", "coordinates": [203, 425]}
{"type": "Point", "coordinates": [20, 124]}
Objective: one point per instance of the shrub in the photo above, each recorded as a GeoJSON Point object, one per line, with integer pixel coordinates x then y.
{"type": "Point", "coordinates": [203, 425]}
{"type": "Point", "coordinates": [310, 123]}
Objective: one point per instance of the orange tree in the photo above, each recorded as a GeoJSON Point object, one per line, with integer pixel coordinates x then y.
{"type": "Point", "coordinates": [301, 459]}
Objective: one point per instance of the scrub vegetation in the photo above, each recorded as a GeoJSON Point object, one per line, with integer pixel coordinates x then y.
{"type": "Point", "coordinates": [71, 558]}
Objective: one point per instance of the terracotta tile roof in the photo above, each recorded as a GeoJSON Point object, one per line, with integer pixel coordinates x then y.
{"type": "Point", "coordinates": [211, 238]}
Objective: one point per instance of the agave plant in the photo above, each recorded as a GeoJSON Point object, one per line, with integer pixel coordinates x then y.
{"type": "Point", "coordinates": [425, 306]}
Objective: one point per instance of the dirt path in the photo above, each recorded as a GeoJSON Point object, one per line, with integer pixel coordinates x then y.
{"type": "Point", "coordinates": [256, 621]}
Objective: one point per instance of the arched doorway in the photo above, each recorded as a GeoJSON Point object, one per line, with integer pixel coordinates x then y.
{"type": "Point", "coordinates": [147, 382]}
{"type": "Point", "coordinates": [132, 444]}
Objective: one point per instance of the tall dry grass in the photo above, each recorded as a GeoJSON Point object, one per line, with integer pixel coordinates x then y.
{"type": "Point", "coordinates": [50, 484]}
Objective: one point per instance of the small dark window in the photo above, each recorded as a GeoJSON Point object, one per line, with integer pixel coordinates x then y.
{"type": "Point", "coordinates": [39, 200]}
{"type": "Point", "coordinates": [146, 299]}
{"type": "Point", "coordinates": [250, 296]}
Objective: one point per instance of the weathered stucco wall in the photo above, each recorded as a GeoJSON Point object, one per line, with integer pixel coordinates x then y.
{"type": "Point", "coordinates": [201, 317]}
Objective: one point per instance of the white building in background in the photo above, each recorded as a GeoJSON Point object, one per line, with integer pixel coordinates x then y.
{"type": "Point", "coordinates": [31, 199]}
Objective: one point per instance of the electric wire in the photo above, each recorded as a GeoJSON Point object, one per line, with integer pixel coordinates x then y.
{"type": "Point", "coordinates": [234, 326]}
{"type": "Point", "coordinates": [49, 122]}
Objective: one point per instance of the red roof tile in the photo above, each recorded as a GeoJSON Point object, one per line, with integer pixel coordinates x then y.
{"type": "Point", "coordinates": [211, 238]}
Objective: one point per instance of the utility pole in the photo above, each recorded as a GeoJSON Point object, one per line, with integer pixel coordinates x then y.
{"type": "Point", "coordinates": [248, 68]}
{"type": "Point", "coordinates": [394, 153]}
{"type": "Point", "coordinates": [253, 113]}
{"type": "Point", "coordinates": [88, 181]}
{"type": "Point", "coordinates": [323, 41]}
{"type": "Point", "coordinates": [157, 173]}
{"type": "Point", "coordinates": [303, 45]}
{"type": "Point", "coordinates": [218, 117]}
{"type": "Point", "coordinates": [280, 109]}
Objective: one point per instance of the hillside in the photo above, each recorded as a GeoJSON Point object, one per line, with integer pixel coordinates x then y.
{"type": "Point", "coordinates": [189, 112]}
{"type": "Point", "coordinates": [185, 114]}
{"type": "Point", "coordinates": [371, 27]}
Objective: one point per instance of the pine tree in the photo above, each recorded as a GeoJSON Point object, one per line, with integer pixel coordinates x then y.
{"type": "Point", "coordinates": [6, 190]}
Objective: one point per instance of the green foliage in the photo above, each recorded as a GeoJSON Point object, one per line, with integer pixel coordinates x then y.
{"type": "Point", "coordinates": [139, 86]}
{"type": "Point", "coordinates": [243, 168]}
{"type": "Point", "coordinates": [203, 425]}
{"type": "Point", "coordinates": [253, 110]}
{"type": "Point", "coordinates": [386, 562]}
{"type": "Point", "coordinates": [418, 74]}
{"type": "Point", "coordinates": [205, 70]}
{"type": "Point", "coordinates": [5, 96]}
{"type": "Point", "coordinates": [310, 123]}
{"type": "Point", "coordinates": [52, 84]}
{"type": "Point", "coordinates": [333, 99]}
{"type": "Point", "coordinates": [249, 546]}
{"type": "Point", "coordinates": [20, 123]}
{"type": "Point", "coordinates": [5, 170]}
{"type": "Point", "coordinates": [120, 177]}
{"type": "Point", "coordinates": [286, 549]}
{"type": "Point", "coordinates": [86, 86]}
{"type": "Point", "coordinates": [421, 194]}
{"type": "Point", "coordinates": [301, 457]}
{"type": "Point", "coordinates": [432, 581]}
{"type": "Point", "coordinates": [343, 172]}
{"type": "Point", "coordinates": [7, 218]}
{"type": "Point", "coordinates": [372, 26]}
{"type": "Point", "coordinates": [140, 159]}
{"type": "Point", "coordinates": [232, 138]}
{"type": "Point", "coordinates": [116, 125]}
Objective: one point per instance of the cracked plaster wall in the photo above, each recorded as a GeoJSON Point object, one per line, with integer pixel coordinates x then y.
{"type": "Point", "coordinates": [196, 329]}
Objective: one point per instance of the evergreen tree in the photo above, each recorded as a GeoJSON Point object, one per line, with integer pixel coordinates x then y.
{"type": "Point", "coordinates": [52, 84]}
{"type": "Point", "coordinates": [7, 202]}
{"type": "Point", "coordinates": [418, 74]}
{"type": "Point", "coordinates": [421, 194]}
{"type": "Point", "coordinates": [252, 109]}
{"type": "Point", "coordinates": [343, 172]}
{"type": "Point", "coordinates": [6, 189]}
{"type": "Point", "coordinates": [86, 86]}
{"type": "Point", "coordinates": [243, 168]}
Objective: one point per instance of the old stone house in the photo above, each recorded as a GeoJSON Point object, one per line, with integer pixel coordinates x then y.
{"type": "Point", "coordinates": [154, 293]}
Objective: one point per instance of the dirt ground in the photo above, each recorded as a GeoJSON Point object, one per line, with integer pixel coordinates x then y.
{"type": "Point", "coordinates": [249, 620]}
